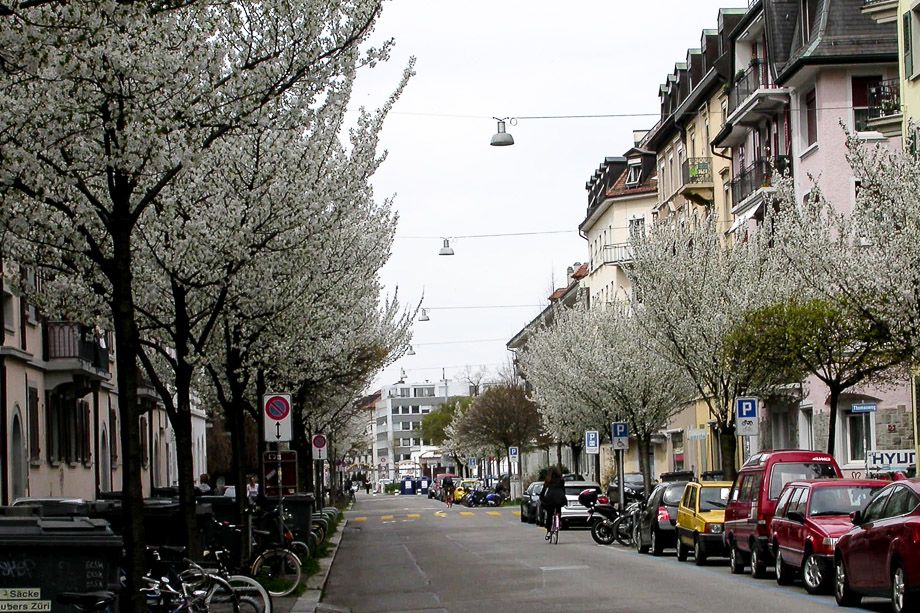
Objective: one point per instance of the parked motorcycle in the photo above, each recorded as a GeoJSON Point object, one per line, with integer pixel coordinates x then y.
{"type": "Point", "coordinates": [602, 514]}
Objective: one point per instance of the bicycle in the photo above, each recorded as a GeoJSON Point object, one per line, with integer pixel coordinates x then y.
{"type": "Point", "coordinates": [449, 498]}
{"type": "Point", "coordinates": [553, 534]}
{"type": "Point", "coordinates": [276, 567]}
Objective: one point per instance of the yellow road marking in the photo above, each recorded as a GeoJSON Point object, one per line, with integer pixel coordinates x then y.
{"type": "Point", "coordinates": [386, 517]}
{"type": "Point", "coordinates": [492, 513]}
{"type": "Point", "coordinates": [518, 513]}
{"type": "Point", "coordinates": [440, 514]}
{"type": "Point", "coordinates": [359, 519]}
{"type": "Point", "coordinates": [413, 516]}
{"type": "Point", "coordinates": [467, 513]}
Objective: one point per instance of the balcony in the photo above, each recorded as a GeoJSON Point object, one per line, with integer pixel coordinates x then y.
{"type": "Point", "coordinates": [697, 183]}
{"type": "Point", "coordinates": [750, 185]}
{"type": "Point", "coordinates": [74, 356]}
{"type": "Point", "coordinates": [884, 113]}
{"type": "Point", "coordinates": [616, 254]}
{"type": "Point", "coordinates": [882, 11]}
{"type": "Point", "coordinates": [754, 96]}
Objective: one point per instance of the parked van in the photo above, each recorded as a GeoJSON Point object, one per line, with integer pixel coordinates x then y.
{"type": "Point", "coordinates": [752, 502]}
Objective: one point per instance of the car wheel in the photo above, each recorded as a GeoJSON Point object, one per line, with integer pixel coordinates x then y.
{"type": "Point", "coordinates": [758, 568]}
{"type": "Point", "coordinates": [656, 543]}
{"type": "Point", "coordinates": [784, 572]}
{"type": "Point", "coordinates": [902, 598]}
{"type": "Point", "coordinates": [699, 558]}
{"type": "Point", "coordinates": [813, 577]}
{"type": "Point", "coordinates": [735, 560]}
{"type": "Point", "coordinates": [523, 515]}
{"type": "Point", "coordinates": [682, 550]}
{"type": "Point", "coordinates": [843, 594]}
{"type": "Point", "coordinates": [637, 539]}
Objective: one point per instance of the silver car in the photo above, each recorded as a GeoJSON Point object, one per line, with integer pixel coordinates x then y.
{"type": "Point", "coordinates": [575, 513]}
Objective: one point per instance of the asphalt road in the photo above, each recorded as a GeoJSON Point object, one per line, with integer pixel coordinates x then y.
{"type": "Point", "coordinates": [412, 554]}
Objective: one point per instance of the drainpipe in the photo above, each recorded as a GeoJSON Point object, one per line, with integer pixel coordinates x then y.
{"type": "Point", "coordinates": [96, 457]}
{"type": "Point", "coordinates": [4, 489]}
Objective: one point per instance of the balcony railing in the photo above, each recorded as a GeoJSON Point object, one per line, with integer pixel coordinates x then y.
{"type": "Point", "coordinates": [757, 176]}
{"type": "Point", "coordinates": [616, 253]}
{"type": "Point", "coordinates": [69, 340]}
{"type": "Point", "coordinates": [755, 77]}
{"type": "Point", "coordinates": [697, 170]}
{"type": "Point", "coordinates": [885, 99]}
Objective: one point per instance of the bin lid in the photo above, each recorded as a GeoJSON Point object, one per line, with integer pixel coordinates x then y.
{"type": "Point", "coordinates": [56, 531]}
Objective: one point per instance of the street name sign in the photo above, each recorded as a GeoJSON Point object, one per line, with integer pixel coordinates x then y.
{"type": "Point", "coordinates": [276, 415]}
{"type": "Point", "coordinates": [696, 434]}
{"type": "Point", "coordinates": [746, 422]}
{"type": "Point", "coordinates": [864, 407]}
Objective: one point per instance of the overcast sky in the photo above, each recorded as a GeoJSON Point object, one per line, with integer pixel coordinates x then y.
{"type": "Point", "coordinates": [506, 58]}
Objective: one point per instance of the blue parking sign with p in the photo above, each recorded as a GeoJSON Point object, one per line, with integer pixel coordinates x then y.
{"type": "Point", "coordinates": [620, 429]}
{"type": "Point", "coordinates": [747, 408]}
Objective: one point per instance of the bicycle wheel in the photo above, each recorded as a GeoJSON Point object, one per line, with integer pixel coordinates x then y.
{"type": "Point", "coordinates": [622, 530]}
{"type": "Point", "coordinates": [555, 534]}
{"type": "Point", "coordinates": [221, 598]}
{"type": "Point", "coordinates": [248, 588]}
{"type": "Point", "coordinates": [278, 570]}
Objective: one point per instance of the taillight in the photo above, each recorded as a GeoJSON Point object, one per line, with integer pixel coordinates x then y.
{"type": "Point", "coordinates": [916, 534]}
{"type": "Point", "coordinates": [288, 536]}
{"type": "Point", "coordinates": [603, 500]}
{"type": "Point", "coordinates": [663, 514]}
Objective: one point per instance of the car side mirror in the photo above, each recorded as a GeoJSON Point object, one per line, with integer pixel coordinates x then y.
{"type": "Point", "coordinates": [796, 516]}
{"type": "Point", "coordinates": [856, 517]}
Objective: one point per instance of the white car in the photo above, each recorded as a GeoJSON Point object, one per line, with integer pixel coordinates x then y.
{"type": "Point", "coordinates": [575, 512]}
{"type": "Point", "coordinates": [382, 483]}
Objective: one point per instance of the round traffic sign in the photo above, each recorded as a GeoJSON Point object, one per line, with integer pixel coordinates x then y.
{"type": "Point", "coordinates": [277, 408]}
{"type": "Point", "coordinates": [319, 441]}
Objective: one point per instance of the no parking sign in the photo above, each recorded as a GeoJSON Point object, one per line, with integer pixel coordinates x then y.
{"type": "Point", "coordinates": [276, 415]}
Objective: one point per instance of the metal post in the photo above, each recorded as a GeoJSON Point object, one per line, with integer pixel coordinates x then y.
{"type": "Point", "coordinates": [280, 494]}
{"type": "Point", "coordinates": [621, 480]}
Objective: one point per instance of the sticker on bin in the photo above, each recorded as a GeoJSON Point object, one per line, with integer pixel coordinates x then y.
{"type": "Point", "coordinates": [23, 599]}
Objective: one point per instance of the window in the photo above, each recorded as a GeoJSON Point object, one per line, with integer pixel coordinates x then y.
{"type": "Point", "coordinates": [34, 439]}
{"type": "Point", "coordinates": [811, 118]}
{"type": "Point", "coordinates": [747, 487]}
{"type": "Point", "coordinates": [634, 173]}
{"type": "Point", "coordinates": [691, 498]}
{"type": "Point", "coordinates": [874, 510]}
{"type": "Point", "coordinates": [415, 410]}
{"type": "Point", "coordinates": [901, 502]}
{"type": "Point", "coordinates": [677, 450]}
{"type": "Point", "coordinates": [797, 502]}
{"type": "Point", "coordinates": [713, 498]}
{"type": "Point", "coordinates": [908, 23]}
{"type": "Point", "coordinates": [637, 227]}
{"type": "Point", "coordinates": [145, 448]}
{"type": "Point", "coordinates": [404, 410]}
{"type": "Point", "coordinates": [856, 436]}
{"type": "Point", "coordinates": [783, 500]}
{"type": "Point", "coordinates": [784, 472]}
{"type": "Point", "coordinates": [809, 9]}
{"type": "Point", "coordinates": [806, 428]}
{"type": "Point", "coordinates": [395, 410]}
{"type": "Point", "coordinates": [113, 435]}
{"type": "Point", "coordinates": [860, 94]}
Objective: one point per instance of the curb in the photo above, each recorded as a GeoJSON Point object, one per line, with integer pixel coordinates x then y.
{"type": "Point", "coordinates": [307, 603]}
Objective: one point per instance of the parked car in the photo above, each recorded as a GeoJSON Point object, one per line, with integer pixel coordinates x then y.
{"type": "Point", "coordinates": [575, 513]}
{"type": "Point", "coordinates": [810, 516]}
{"type": "Point", "coordinates": [382, 484]}
{"type": "Point", "coordinates": [753, 497]}
{"type": "Point", "coordinates": [530, 501]}
{"type": "Point", "coordinates": [633, 488]}
{"type": "Point", "coordinates": [656, 528]}
{"type": "Point", "coordinates": [880, 555]}
{"type": "Point", "coordinates": [465, 485]}
{"type": "Point", "coordinates": [700, 520]}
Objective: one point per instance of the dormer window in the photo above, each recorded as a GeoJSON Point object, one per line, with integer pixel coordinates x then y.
{"type": "Point", "coordinates": [634, 174]}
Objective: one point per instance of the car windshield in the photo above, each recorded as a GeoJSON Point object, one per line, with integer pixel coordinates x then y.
{"type": "Point", "coordinates": [713, 498]}
{"type": "Point", "coordinates": [840, 500]}
{"type": "Point", "coordinates": [784, 472]}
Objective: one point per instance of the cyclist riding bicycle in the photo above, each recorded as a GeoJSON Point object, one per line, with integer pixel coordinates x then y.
{"type": "Point", "coordinates": [448, 486]}
{"type": "Point", "coordinates": [552, 497]}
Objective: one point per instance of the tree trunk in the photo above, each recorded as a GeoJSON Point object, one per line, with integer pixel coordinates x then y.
{"type": "Point", "coordinates": [127, 342]}
{"type": "Point", "coordinates": [728, 445]}
{"type": "Point", "coordinates": [559, 454]}
{"type": "Point", "coordinates": [643, 443]}
{"type": "Point", "coordinates": [832, 425]}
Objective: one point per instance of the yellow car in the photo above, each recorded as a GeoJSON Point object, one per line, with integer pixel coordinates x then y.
{"type": "Point", "coordinates": [466, 485]}
{"type": "Point", "coordinates": [701, 519]}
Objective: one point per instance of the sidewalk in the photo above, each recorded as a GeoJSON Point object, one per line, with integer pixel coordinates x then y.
{"type": "Point", "coordinates": [309, 600]}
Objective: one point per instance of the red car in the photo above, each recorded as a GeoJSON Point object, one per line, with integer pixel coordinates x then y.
{"type": "Point", "coordinates": [810, 517]}
{"type": "Point", "coordinates": [880, 555]}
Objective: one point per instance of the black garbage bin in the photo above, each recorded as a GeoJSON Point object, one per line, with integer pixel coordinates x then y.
{"type": "Point", "coordinates": [40, 557]}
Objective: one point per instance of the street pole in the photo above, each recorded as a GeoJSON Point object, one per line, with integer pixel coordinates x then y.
{"type": "Point", "coordinates": [280, 492]}
{"type": "Point", "coordinates": [621, 480]}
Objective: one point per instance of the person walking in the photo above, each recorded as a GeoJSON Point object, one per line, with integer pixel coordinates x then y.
{"type": "Point", "coordinates": [367, 486]}
{"type": "Point", "coordinates": [252, 488]}
{"type": "Point", "coordinates": [552, 497]}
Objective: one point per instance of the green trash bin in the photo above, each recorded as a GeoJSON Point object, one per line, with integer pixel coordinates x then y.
{"type": "Point", "coordinates": [40, 557]}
